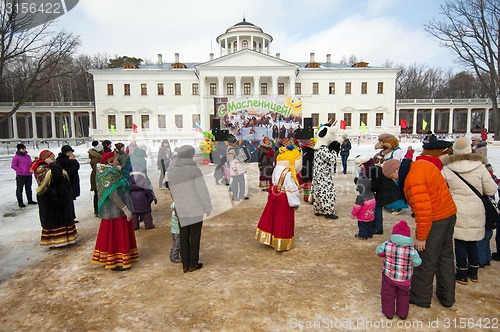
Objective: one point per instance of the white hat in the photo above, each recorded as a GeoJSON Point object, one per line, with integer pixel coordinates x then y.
{"type": "Point", "coordinates": [462, 146]}
{"type": "Point", "coordinates": [361, 160]}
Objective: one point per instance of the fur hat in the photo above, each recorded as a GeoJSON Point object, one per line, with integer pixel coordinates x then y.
{"type": "Point", "coordinates": [21, 146]}
{"type": "Point", "coordinates": [107, 157]}
{"type": "Point", "coordinates": [186, 152]}
{"type": "Point", "coordinates": [390, 166]}
{"type": "Point", "coordinates": [66, 148]}
{"type": "Point", "coordinates": [462, 146]}
{"type": "Point", "coordinates": [401, 228]}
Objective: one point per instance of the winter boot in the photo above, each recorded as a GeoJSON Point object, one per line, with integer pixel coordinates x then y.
{"type": "Point", "coordinates": [461, 276]}
{"type": "Point", "coordinates": [20, 202]}
{"type": "Point", "coordinates": [472, 273]}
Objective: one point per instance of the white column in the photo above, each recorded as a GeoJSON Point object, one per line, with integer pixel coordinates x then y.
{"type": "Point", "coordinates": [268, 47]}
{"type": "Point", "coordinates": [15, 132]}
{"type": "Point", "coordinates": [73, 127]}
{"type": "Point", "coordinates": [292, 85]}
{"type": "Point", "coordinates": [450, 122]}
{"type": "Point", "coordinates": [238, 86]}
{"type": "Point", "coordinates": [486, 118]}
{"type": "Point", "coordinates": [433, 114]}
{"type": "Point", "coordinates": [91, 120]}
{"type": "Point", "coordinates": [237, 44]}
{"type": "Point", "coordinates": [397, 118]}
{"type": "Point", "coordinates": [203, 105]}
{"type": "Point", "coordinates": [415, 124]}
{"type": "Point", "coordinates": [220, 87]}
{"type": "Point", "coordinates": [275, 86]}
{"type": "Point", "coordinates": [33, 123]}
{"type": "Point", "coordinates": [469, 113]}
{"type": "Point", "coordinates": [251, 43]}
{"type": "Point", "coordinates": [53, 123]}
{"type": "Point", "coordinates": [256, 91]}
{"type": "Point", "coordinates": [220, 46]}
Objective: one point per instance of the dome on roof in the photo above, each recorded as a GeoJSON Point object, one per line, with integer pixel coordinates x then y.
{"type": "Point", "coordinates": [244, 23]}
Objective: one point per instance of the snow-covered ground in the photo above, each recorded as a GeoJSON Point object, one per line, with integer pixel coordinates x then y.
{"type": "Point", "coordinates": [20, 228]}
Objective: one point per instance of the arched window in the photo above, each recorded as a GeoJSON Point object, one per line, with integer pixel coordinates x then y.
{"type": "Point", "coordinates": [244, 44]}
{"type": "Point", "coordinates": [255, 46]}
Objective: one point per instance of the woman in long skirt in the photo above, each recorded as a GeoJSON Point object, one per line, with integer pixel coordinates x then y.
{"type": "Point", "coordinates": [115, 247]}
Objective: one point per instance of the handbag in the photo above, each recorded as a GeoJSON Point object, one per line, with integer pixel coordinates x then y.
{"type": "Point", "coordinates": [490, 206]}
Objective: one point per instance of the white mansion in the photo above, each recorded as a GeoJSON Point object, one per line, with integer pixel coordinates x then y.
{"type": "Point", "coordinates": [167, 100]}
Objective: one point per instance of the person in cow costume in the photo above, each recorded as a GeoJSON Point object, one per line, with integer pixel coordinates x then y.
{"type": "Point", "coordinates": [324, 159]}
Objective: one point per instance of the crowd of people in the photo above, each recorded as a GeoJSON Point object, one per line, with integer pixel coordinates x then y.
{"type": "Point", "coordinates": [452, 237]}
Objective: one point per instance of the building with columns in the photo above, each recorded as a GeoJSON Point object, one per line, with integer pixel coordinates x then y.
{"type": "Point", "coordinates": [166, 100]}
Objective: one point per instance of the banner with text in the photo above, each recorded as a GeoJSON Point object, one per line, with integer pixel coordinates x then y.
{"type": "Point", "coordinates": [256, 118]}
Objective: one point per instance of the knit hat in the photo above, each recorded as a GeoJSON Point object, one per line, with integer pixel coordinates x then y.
{"type": "Point", "coordinates": [390, 166]}
{"type": "Point", "coordinates": [231, 139]}
{"type": "Point", "coordinates": [186, 152]}
{"type": "Point", "coordinates": [476, 138]}
{"type": "Point", "coordinates": [401, 228]}
{"type": "Point", "coordinates": [344, 135]}
{"type": "Point", "coordinates": [21, 146]}
{"type": "Point", "coordinates": [107, 157]}
{"type": "Point", "coordinates": [98, 147]}
{"type": "Point", "coordinates": [44, 154]}
{"type": "Point", "coordinates": [462, 146]}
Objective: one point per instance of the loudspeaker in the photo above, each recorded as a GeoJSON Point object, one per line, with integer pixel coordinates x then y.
{"type": "Point", "coordinates": [306, 132]}
{"type": "Point", "coordinates": [220, 135]}
{"type": "Point", "coordinates": [215, 124]}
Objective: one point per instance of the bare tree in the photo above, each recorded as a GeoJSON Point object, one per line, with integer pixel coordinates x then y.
{"type": "Point", "coordinates": [471, 28]}
{"type": "Point", "coordinates": [30, 56]}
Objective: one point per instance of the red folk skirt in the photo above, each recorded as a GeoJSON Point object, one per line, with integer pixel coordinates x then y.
{"type": "Point", "coordinates": [115, 244]}
{"type": "Point", "coordinates": [277, 222]}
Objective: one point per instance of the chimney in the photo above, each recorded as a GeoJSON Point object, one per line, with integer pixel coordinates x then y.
{"type": "Point", "coordinates": [160, 59]}
{"type": "Point", "coordinates": [328, 58]}
{"type": "Point", "coordinates": [311, 57]}
{"type": "Point", "coordinates": [176, 57]}
{"type": "Point", "coordinates": [278, 55]}
{"type": "Point", "coordinates": [211, 56]}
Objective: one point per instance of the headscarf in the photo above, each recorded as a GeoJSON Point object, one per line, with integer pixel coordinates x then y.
{"type": "Point", "coordinates": [107, 156]}
{"type": "Point", "coordinates": [291, 153]}
{"type": "Point", "coordinates": [44, 154]}
{"type": "Point", "coordinates": [270, 152]}
{"type": "Point", "coordinates": [108, 179]}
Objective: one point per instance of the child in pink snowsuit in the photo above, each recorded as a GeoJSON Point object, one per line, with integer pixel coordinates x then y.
{"type": "Point", "coordinates": [399, 259]}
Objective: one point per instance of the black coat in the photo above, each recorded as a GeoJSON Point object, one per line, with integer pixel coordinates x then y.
{"type": "Point", "coordinates": [71, 166]}
{"type": "Point", "coordinates": [386, 191]}
{"type": "Point", "coordinates": [307, 163]}
{"type": "Point", "coordinates": [55, 203]}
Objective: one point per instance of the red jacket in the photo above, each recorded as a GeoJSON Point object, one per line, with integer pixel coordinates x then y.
{"type": "Point", "coordinates": [428, 196]}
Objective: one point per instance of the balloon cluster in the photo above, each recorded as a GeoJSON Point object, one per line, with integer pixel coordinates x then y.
{"type": "Point", "coordinates": [206, 147]}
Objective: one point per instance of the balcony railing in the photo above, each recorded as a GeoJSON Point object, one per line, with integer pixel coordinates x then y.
{"type": "Point", "coordinates": [50, 104]}
{"type": "Point", "coordinates": [443, 101]}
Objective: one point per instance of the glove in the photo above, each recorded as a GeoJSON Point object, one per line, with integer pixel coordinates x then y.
{"type": "Point", "coordinates": [155, 200]}
{"type": "Point", "coordinates": [127, 213]}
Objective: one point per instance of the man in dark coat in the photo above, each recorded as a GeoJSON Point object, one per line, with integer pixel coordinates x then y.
{"type": "Point", "coordinates": [66, 159]}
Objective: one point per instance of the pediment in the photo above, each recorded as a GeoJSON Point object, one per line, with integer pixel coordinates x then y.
{"type": "Point", "coordinates": [110, 111]}
{"type": "Point", "coordinates": [247, 58]}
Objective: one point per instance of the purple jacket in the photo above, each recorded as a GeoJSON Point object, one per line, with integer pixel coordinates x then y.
{"type": "Point", "coordinates": [21, 163]}
{"type": "Point", "coordinates": [140, 192]}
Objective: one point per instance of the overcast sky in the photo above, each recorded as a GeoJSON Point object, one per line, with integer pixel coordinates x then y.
{"type": "Point", "coordinates": [373, 30]}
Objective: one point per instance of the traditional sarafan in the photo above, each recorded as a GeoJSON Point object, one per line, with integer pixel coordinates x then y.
{"type": "Point", "coordinates": [277, 223]}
